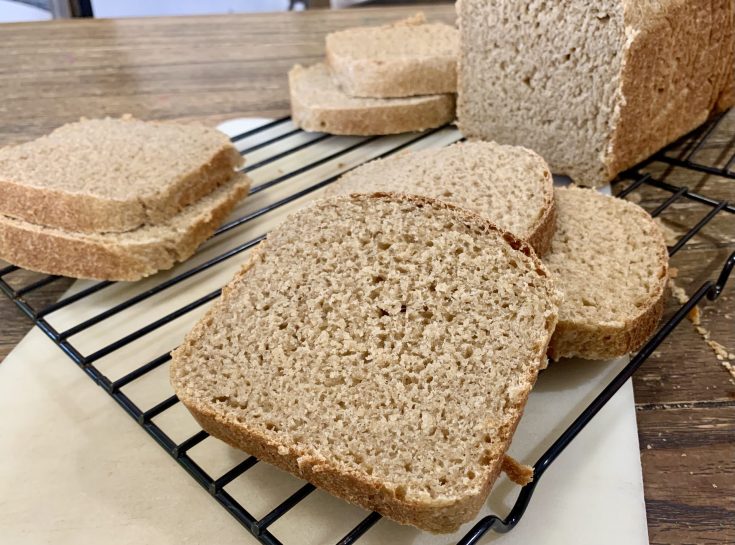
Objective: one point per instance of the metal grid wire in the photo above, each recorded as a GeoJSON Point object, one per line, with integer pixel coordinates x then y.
{"type": "Point", "coordinates": [682, 154]}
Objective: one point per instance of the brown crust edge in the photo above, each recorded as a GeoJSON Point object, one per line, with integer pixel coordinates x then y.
{"type": "Point", "coordinates": [435, 516]}
{"type": "Point", "coordinates": [67, 254]}
{"type": "Point", "coordinates": [89, 214]}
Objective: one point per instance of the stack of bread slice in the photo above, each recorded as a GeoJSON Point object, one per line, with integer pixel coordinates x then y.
{"type": "Point", "coordinates": [115, 199]}
{"type": "Point", "coordinates": [379, 80]}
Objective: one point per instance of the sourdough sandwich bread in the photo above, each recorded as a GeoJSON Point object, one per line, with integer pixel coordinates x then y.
{"type": "Point", "coordinates": [609, 258]}
{"type": "Point", "coordinates": [379, 346]}
{"type": "Point", "coordinates": [318, 104]}
{"type": "Point", "coordinates": [511, 186]}
{"type": "Point", "coordinates": [113, 175]}
{"type": "Point", "coordinates": [407, 58]}
{"type": "Point", "coordinates": [130, 255]}
{"type": "Point", "coordinates": [593, 88]}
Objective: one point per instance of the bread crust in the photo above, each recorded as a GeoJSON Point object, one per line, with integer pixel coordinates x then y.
{"type": "Point", "coordinates": [390, 118]}
{"type": "Point", "coordinates": [85, 213]}
{"type": "Point", "coordinates": [58, 252]}
{"type": "Point", "coordinates": [677, 72]}
{"type": "Point", "coordinates": [439, 515]}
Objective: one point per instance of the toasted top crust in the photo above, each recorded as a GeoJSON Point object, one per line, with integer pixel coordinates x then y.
{"type": "Point", "coordinates": [113, 175]}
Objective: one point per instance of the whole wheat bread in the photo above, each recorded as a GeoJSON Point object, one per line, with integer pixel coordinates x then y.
{"type": "Point", "coordinates": [113, 175]}
{"type": "Point", "coordinates": [594, 88]}
{"type": "Point", "coordinates": [609, 258]}
{"type": "Point", "coordinates": [318, 104]}
{"type": "Point", "coordinates": [119, 256]}
{"type": "Point", "coordinates": [379, 346]}
{"type": "Point", "coordinates": [509, 185]}
{"type": "Point", "coordinates": [408, 58]}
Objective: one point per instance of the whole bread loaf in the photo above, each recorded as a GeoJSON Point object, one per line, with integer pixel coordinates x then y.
{"type": "Point", "coordinates": [509, 185]}
{"type": "Point", "coordinates": [594, 88]}
{"type": "Point", "coordinates": [113, 175]}
{"type": "Point", "coordinates": [407, 58]}
{"type": "Point", "coordinates": [609, 258]}
{"type": "Point", "coordinates": [379, 346]}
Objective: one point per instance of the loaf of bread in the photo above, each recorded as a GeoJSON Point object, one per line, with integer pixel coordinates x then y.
{"type": "Point", "coordinates": [130, 255]}
{"type": "Point", "coordinates": [509, 185]}
{"type": "Point", "coordinates": [609, 258]}
{"type": "Point", "coordinates": [594, 88]}
{"type": "Point", "coordinates": [318, 104]}
{"type": "Point", "coordinates": [113, 175]}
{"type": "Point", "coordinates": [408, 58]}
{"type": "Point", "coordinates": [379, 346]}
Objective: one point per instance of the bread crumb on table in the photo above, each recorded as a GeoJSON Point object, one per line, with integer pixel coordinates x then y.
{"type": "Point", "coordinates": [694, 316]}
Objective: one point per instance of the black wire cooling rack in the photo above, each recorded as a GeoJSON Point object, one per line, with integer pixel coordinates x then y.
{"type": "Point", "coordinates": [683, 155]}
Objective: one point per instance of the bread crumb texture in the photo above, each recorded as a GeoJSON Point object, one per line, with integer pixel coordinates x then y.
{"type": "Point", "coordinates": [380, 346]}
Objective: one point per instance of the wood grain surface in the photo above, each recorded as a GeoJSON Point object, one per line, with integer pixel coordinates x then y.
{"type": "Point", "coordinates": [214, 68]}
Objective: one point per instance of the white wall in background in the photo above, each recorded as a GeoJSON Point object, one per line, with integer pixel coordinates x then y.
{"type": "Point", "coordinates": [14, 12]}
{"type": "Point", "coordinates": [145, 8]}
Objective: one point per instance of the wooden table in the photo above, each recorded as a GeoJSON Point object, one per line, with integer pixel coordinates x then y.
{"type": "Point", "coordinates": [214, 68]}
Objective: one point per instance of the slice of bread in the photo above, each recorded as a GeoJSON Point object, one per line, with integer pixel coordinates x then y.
{"type": "Point", "coordinates": [317, 104]}
{"type": "Point", "coordinates": [593, 87]}
{"type": "Point", "coordinates": [404, 59]}
{"type": "Point", "coordinates": [119, 256]}
{"type": "Point", "coordinates": [379, 346]}
{"type": "Point", "coordinates": [609, 258]}
{"type": "Point", "coordinates": [113, 175]}
{"type": "Point", "coordinates": [511, 186]}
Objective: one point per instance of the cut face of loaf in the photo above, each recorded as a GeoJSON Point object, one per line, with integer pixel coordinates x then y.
{"type": "Point", "coordinates": [594, 88]}
{"type": "Point", "coordinates": [408, 58]}
{"type": "Point", "coordinates": [131, 255]}
{"type": "Point", "coordinates": [609, 258]}
{"type": "Point", "coordinates": [113, 175]}
{"type": "Point", "coordinates": [509, 185]}
{"type": "Point", "coordinates": [318, 104]}
{"type": "Point", "coordinates": [379, 346]}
